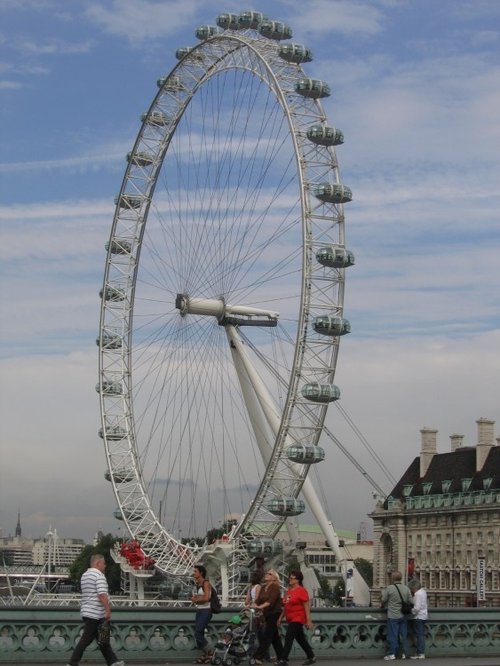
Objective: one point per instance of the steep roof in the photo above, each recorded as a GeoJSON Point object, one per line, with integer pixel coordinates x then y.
{"type": "Point", "coordinates": [452, 466]}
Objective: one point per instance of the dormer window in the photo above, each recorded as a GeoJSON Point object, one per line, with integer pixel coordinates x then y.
{"type": "Point", "coordinates": [487, 483]}
{"type": "Point", "coordinates": [407, 489]}
{"type": "Point", "coordinates": [426, 487]}
{"type": "Point", "coordinates": [446, 486]}
{"type": "Point", "coordinates": [466, 484]}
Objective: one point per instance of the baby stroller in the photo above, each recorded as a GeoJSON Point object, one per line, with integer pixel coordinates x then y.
{"type": "Point", "coordinates": [239, 641]}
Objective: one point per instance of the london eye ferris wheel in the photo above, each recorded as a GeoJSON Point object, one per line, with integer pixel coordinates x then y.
{"type": "Point", "coordinates": [222, 300]}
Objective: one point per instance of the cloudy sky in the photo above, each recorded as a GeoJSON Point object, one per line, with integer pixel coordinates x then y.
{"type": "Point", "coordinates": [416, 90]}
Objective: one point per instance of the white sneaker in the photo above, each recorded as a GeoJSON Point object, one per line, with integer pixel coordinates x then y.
{"type": "Point", "coordinates": [389, 657]}
{"type": "Point", "coordinates": [118, 663]}
{"type": "Point", "coordinates": [403, 656]}
{"type": "Point", "coordinates": [418, 656]}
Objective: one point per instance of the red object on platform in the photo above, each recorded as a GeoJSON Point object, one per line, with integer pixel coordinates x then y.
{"type": "Point", "coordinates": [135, 556]}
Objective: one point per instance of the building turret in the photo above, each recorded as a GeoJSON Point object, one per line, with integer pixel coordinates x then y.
{"type": "Point", "coordinates": [18, 526]}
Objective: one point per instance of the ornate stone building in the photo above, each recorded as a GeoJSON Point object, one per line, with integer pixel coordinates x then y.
{"type": "Point", "coordinates": [442, 518]}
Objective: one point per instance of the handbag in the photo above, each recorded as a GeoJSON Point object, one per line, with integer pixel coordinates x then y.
{"type": "Point", "coordinates": [103, 634]}
{"type": "Point", "coordinates": [405, 605]}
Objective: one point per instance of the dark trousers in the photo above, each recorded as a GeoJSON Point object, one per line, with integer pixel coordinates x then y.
{"type": "Point", "coordinates": [295, 632]}
{"type": "Point", "coordinates": [90, 627]}
{"type": "Point", "coordinates": [270, 636]}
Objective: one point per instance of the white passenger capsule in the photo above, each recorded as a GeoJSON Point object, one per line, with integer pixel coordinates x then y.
{"type": "Point", "coordinates": [264, 547]}
{"type": "Point", "coordinates": [323, 135]}
{"type": "Point", "coordinates": [251, 20]}
{"type": "Point", "coordinates": [332, 193]}
{"type": "Point", "coordinates": [316, 392]}
{"type": "Point", "coordinates": [313, 88]}
{"type": "Point", "coordinates": [229, 21]}
{"type": "Point", "coordinates": [335, 256]}
{"type": "Point", "coordinates": [306, 454]}
{"type": "Point", "coordinates": [331, 325]}
{"type": "Point", "coordinates": [275, 30]}
{"type": "Point", "coordinates": [286, 506]}
{"type": "Point", "coordinates": [296, 53]}
{"type": "Point", "coordinates": [128, 201]}
{"type": "Point", "coordinates": [119, 246]}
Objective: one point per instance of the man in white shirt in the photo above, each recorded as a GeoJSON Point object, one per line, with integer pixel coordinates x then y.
{"type": "Point", "coordinates": [95, 610]}
{"type": "Point", "coordinates": [420, 615]}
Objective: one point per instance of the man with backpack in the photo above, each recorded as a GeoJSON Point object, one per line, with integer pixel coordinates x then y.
{"type": "Point", "coordinates": [397, 599]}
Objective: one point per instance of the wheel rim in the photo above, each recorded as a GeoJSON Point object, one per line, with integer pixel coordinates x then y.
{"type": "Point", "coordinates": [215, 203]}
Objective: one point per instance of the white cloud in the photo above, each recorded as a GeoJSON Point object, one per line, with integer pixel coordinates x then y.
{"type": "Point", "coordinates": [421, 155]}
{"type": "Point", "coordinates": [140, 20]}
{"type": "Point", "coordinates": [341, 16]}
{"type": "Point", "coordinates": [54, 47]}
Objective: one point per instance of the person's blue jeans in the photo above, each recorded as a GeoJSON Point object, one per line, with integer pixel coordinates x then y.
{"type": "Point", "coordinates": [397, 629]}
{"type": "Point", "coordinates": [418, 627]}
{"type": "Point", "coordinates": [202, 619]}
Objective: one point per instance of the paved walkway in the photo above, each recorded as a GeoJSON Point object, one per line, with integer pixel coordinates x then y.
{"type": "Point", "coordinates": [431, 661]}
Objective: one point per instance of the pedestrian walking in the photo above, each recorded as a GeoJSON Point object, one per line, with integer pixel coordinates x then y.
{"type": "Point", "coordinates": [95, 611]}
{"type": "Point", "coordinates": [269, 602]}
{"type": "Point", "coordinates": [297, 612]}
{"type": "Point", "coordinates": [201, 598]}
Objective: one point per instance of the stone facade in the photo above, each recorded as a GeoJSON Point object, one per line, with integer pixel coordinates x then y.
{"type": "Point", "coordinates": [442, 515]}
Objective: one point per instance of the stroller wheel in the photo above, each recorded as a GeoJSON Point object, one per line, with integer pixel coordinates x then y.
{"type": "Point", "coordinates": [216, 661]}
{"type": "Point", "coordinates": [251, 661]}
{"type": "Point", "coordinates": [228, 662]}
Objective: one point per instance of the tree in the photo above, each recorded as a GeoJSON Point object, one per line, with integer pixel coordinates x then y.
{"type": "Point", "coordinates": [365, 568]}
{"type": "Point", "coordinates": [82, 563]}
{"type": "Point", "coordinates": [325, 591]}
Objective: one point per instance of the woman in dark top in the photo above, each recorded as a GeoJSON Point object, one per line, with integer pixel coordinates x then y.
{"type": "Point", "coordinates": [269, 602]}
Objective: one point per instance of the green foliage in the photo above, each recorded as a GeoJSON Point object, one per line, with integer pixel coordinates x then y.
{"type": "Point", "coordinates": [325, 591]}
{"type": "Point", "coordinates": [292, 564]}
{"type": "Point", "coordinates": [218, 532]}
{"type": "Point", "coordinates": [338, 593]}
{"type": "Point", "coordinates": [82, 563]}
{"type": "Point", "coordinates": [365, 568]}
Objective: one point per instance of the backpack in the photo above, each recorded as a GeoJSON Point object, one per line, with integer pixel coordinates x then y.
{"type": "Point", "coordinates": [215, 604]}
{"type": "Point", "coordinates": [405, 605]}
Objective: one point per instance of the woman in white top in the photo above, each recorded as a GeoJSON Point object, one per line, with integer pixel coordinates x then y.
{"type": "Point", "coordinates": [201, 598]}
{"type": "Point", "coordinates": [254, 589]}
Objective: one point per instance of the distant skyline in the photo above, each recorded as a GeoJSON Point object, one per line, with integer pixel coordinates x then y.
{"type": "Point", "coordinates": [416, 90]}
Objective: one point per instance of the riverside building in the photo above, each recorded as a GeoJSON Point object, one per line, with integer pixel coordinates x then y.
{"type": "Point", "coordinates": [441, 522]}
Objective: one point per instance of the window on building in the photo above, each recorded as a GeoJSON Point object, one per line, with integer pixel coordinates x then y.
{"type": "Point", "coordinates": [445, 486]}
{"type": "Point", "coordinates": [487, 483]}
{"type": "Point", "coordinates": [466, 484]}
{"type": "Point", "coordinates": [426, 487]}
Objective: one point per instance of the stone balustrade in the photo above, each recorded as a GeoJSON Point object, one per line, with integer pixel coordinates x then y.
{"type": "Point", "coordinates": [144, 634]}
